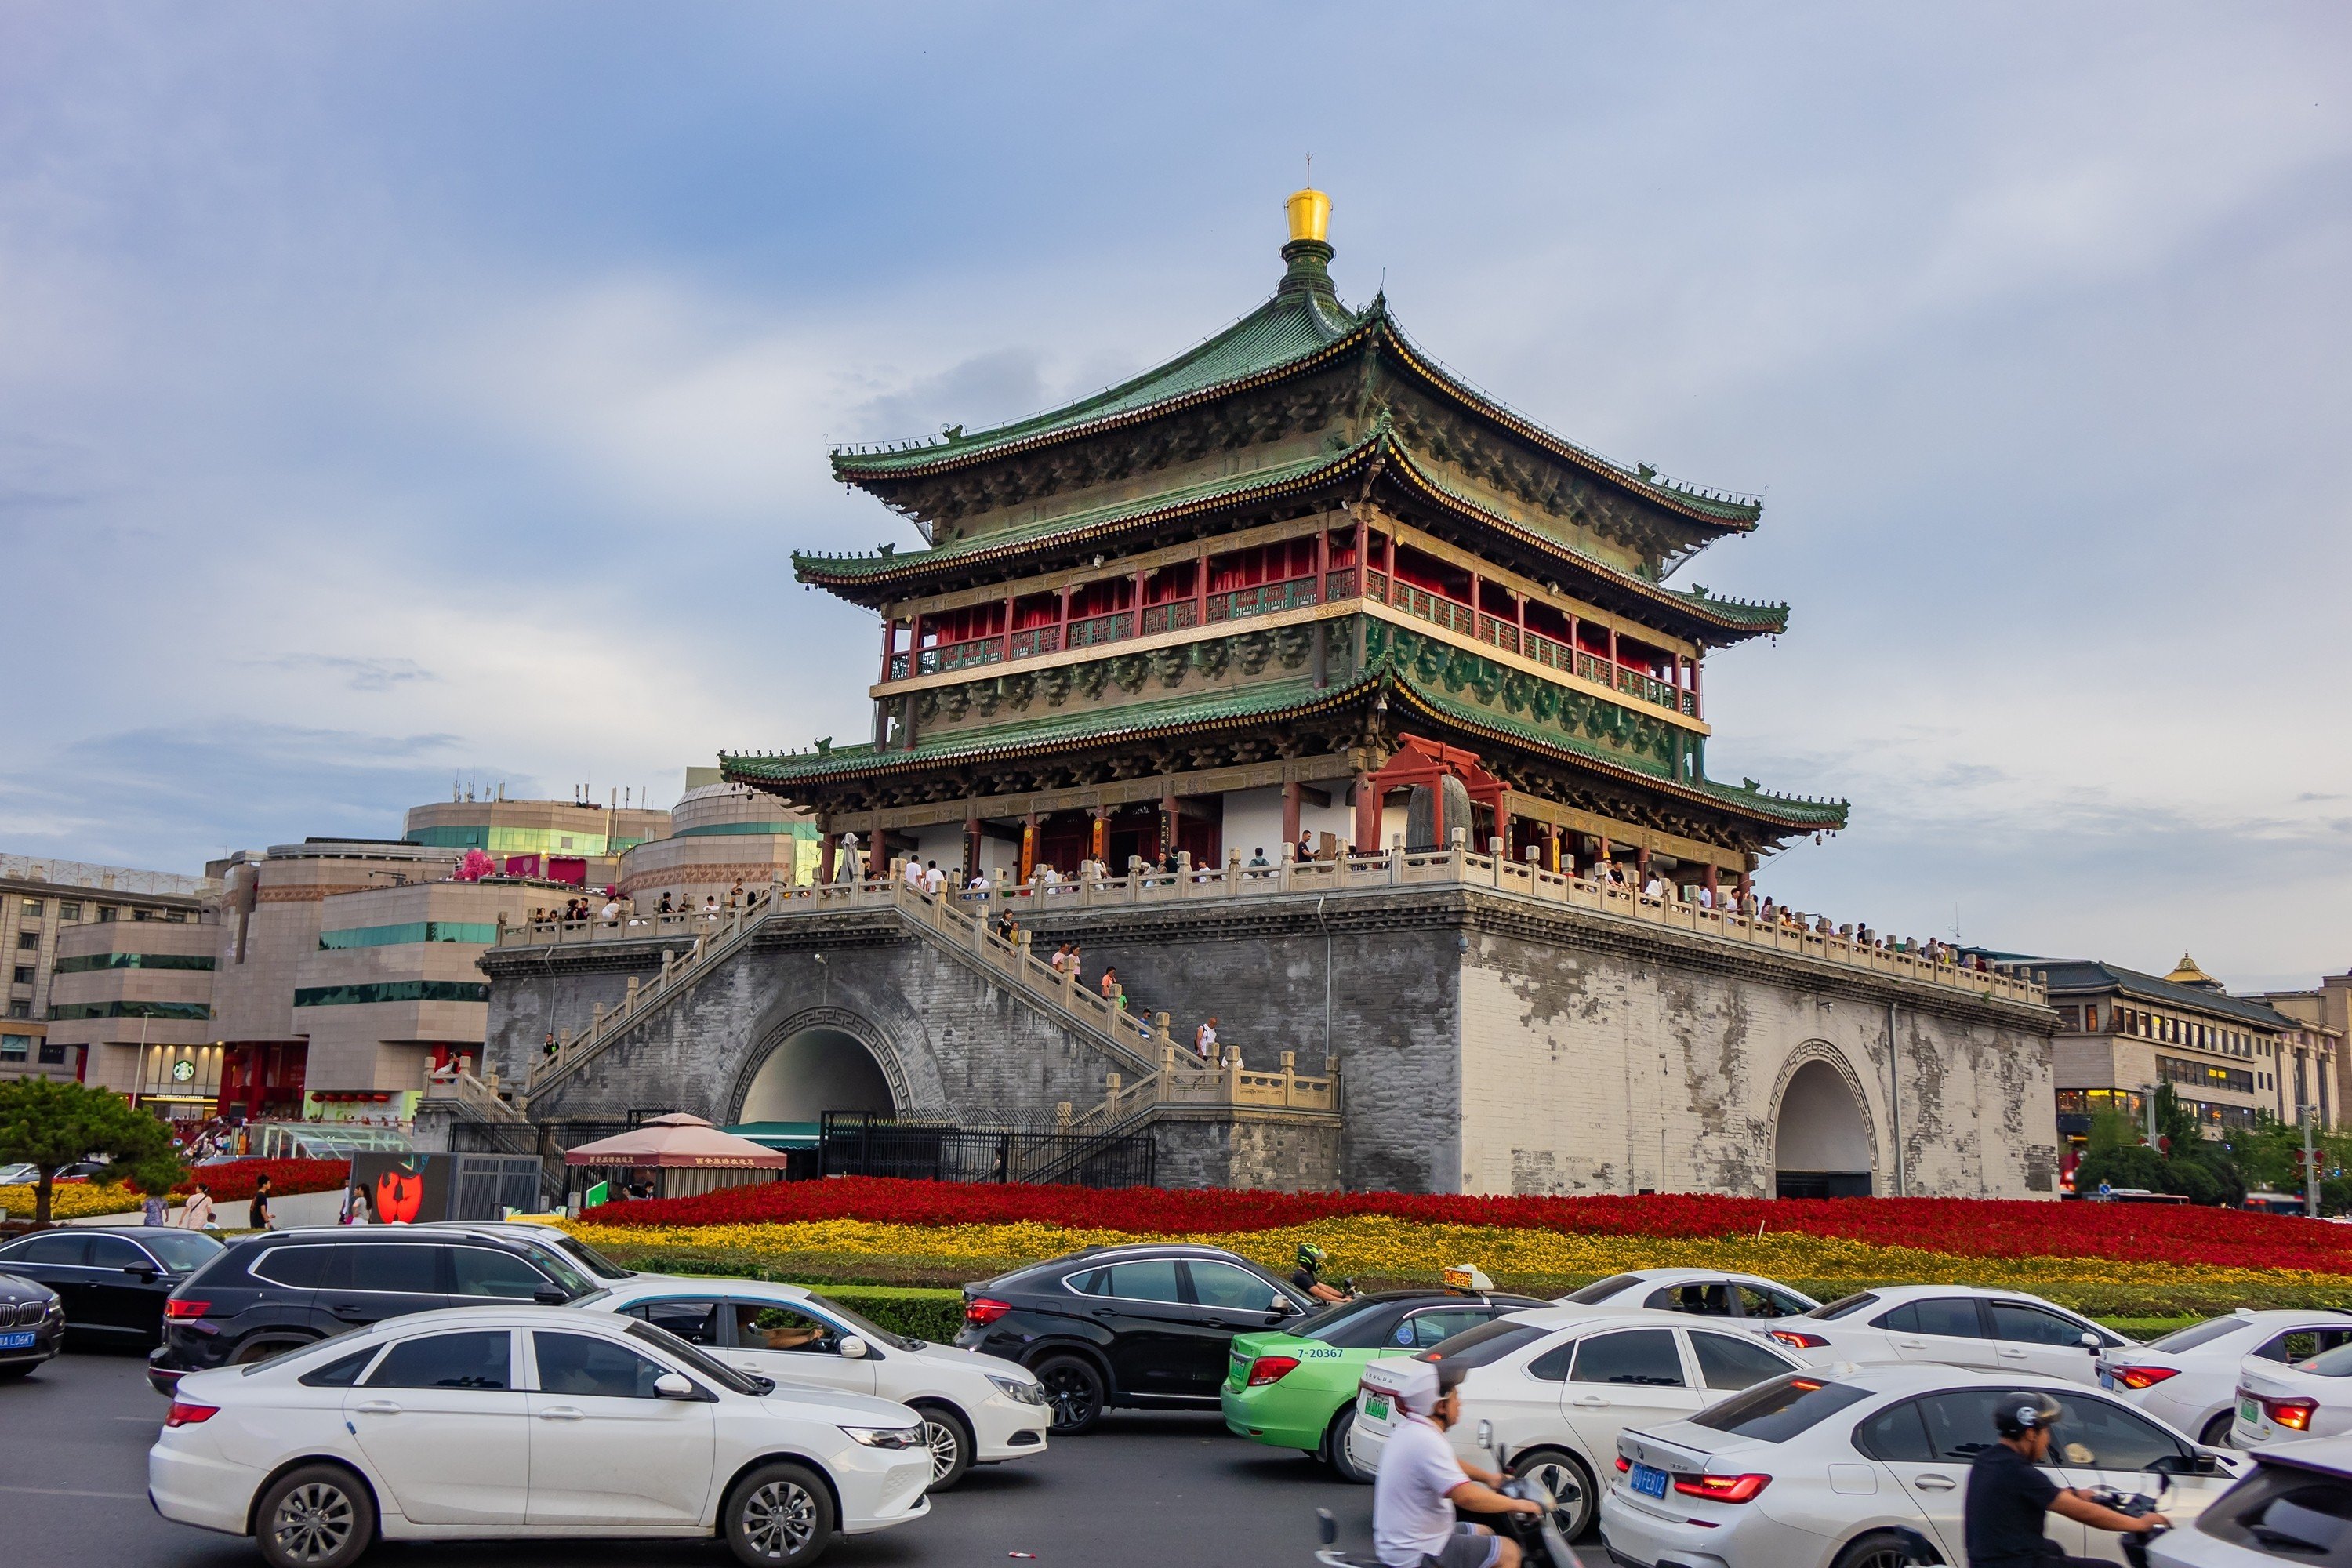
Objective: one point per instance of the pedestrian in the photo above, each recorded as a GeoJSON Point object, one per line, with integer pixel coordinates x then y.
{"type": "Point", "coordinates": [1204, 1040]}
{"type": "Point", "coordinates": [256, 1213]}
{"type": "Point", "coordinates": [1109, 981]}
{"type": "Point", "coordinates": [1077, 956]}
{"type": "Point", "coordinates": [934, 879]}
{"type": "Point", "coordinates": [735, 895]}
{"type": "Point", "coordinates": [199, 1213]}
{"type": "Point", "coordinates": [1060, 959]}
{"type": "Point", "coordinates": [155, 1209]}
{"type": "Point", "coordinates": [665, 908]}
{"type": "Point", "coordinates": [1258, 861]}
{"type": "Point", "coordinates": [355, 1204]}
{"type": "Point", "coordinates": [549, 1047]}
{"type": "Point", "coordinates": [913, 875]}
{"type": "Point", "coordinates": [1305, 846]}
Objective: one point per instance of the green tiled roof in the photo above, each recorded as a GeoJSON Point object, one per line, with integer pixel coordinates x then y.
{"type": "Point", "coordinates": [1304, 323]}
{"type": "Point", "coordinates": [1085, 724]}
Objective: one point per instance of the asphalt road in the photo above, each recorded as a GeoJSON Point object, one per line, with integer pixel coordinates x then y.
{"type": "Point", "coordinates": [1176, 1490]}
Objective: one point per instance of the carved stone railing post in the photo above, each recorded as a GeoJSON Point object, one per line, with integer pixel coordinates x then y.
{"type": "Point", "coordinates": [1289, 1076]}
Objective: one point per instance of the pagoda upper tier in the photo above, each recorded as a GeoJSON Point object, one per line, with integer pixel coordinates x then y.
{"type": "Point", "coordinates": [1300, 364]}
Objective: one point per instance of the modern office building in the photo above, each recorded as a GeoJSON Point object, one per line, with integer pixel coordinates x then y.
{"type": "Point", "coordinates": [575, 841]}
{"type": "Point", "coordinates": [132, 1003]}
{"type": "Point", "coordinates": [45, 898]}
{"type": "Point", "coordinates": [720, 835]}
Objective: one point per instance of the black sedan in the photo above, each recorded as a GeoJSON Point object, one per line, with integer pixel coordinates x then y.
{"type": "Point", "coordinates": [112, 1279]}
{"type": "Point", "coordinates": [32, 1325]}
{"type": "Point", "coordinates": [1148, 1325]}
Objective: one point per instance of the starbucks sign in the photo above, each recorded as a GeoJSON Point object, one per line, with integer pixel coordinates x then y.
{"type": "Point", "coordinates": [183, 1070]}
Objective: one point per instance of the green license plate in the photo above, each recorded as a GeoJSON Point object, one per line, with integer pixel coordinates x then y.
{"type": "Point", "coordinates": [2250, 1411]}
{"type": "Point", "coordinates": [1375, 1407]}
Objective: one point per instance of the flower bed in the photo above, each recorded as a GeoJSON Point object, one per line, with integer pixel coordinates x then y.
{"type": "Point", "coordinates": [2109, 1259]}
{"type": "Point", "coordinates": [70, 1200]}
{"type": "Point", "coordinates": [2136, 1233]}
{"type": "Point", "coordinates": [232, 1181]}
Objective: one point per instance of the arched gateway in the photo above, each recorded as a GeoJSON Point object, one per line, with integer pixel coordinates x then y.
{"type": "Point", "coordinates": [820, 1060]}
{"type": "Point", "coordinates": [1822, 1142]}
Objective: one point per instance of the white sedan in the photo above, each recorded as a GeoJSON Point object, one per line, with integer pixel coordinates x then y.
{"type": "Point", "coordinates": [1869, 1468]}
{"type": "Point", "coordinates": [2190, 1377]}
{"type": "Point", "coordinates": [1958, 1325]}
{"type": "Point", "coordinates": [976, 1409]}
{"type": "Point", "coordinates": [1705, 1292]}
{"type": "Point", "coordinates": [2290, 1511]}
{"type": "Point", "coordinates": [1552, 1388]}
{"type": "Point", "coordinates": [527, 1421]}
{"type": "Point", "coordinates": [2278, 1403]}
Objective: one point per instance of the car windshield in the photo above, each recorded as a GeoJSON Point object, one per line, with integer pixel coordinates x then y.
{"type": "Point", "coordinates": [1600, 1290]}
{"type": "Point", "coordinates": [2336, 1363]}
{"type": "Point", "coordinates": [1350, 1325]}
{"type": "Point", "coordinates": [872, 1331]}
{"type": "Point", "coordinates": [181, 1251]}
{"type": "Point", "coordinates": [1490, 1342]}
{"type": "Point", "coordinates": [2196, 1334]}
{"type": "Point", "coordinates": [670, 1344]}
{"type": "Point", "coordinates": [1845, 1308]}
{"type": "Point", "coordinates": [1777, 1411]}
{"type": "Point", "coordinates": [567, 1273]}
{"type": "Point", "coordinates": [596, 1262]}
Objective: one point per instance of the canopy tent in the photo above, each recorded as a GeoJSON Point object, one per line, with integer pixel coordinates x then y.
{"type": "Point", "coordinates": [676, 1141]}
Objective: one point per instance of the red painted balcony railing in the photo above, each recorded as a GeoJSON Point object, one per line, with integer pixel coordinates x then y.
{"type": "Point", "coordinates": [1096, 630]}
{"type": "Point", "coordinates": [1180, 615]}
{"type": "Point", "coordinates": [1036, 640]}
{"type": "Point", "coordinates": [1265, 599]}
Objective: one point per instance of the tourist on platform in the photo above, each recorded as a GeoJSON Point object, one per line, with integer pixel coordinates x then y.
{"type": "Point", "coordinates": [980, 887]}
{"type": "Point", "coordinates": [1076, 958]}
{"type": "Point", "coordinates": [1259, 864]}
{"type": "Point", "coordinates": [1060, 959]}
{"type": "Point", "coordinates": [735, 898]}
{"type": "Point", "coordinates": [199, 1213]}
{"type": "Point", "coordinates": [911, 873]}
{"type": "Point", "coordinates": [547, 1048]}
{"type": "Point", "coordinates": [612, 911]}
{"type": "Point", "coordinates": [1766, 911]}
{"type": "Point", "coordinates": [1204, 1040]}
{"type": "Point", "coordinates": [664, 906]}
{"type": "Point", "coordinates": [1305, 846]}
{"type": "Point", "coordinates": [1109, 981]}
{"type": "Point", "coordinates": [933, 878]}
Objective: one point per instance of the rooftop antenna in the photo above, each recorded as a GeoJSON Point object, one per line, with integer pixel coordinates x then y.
{"type": "Point", "coordinates": [1310, 169]}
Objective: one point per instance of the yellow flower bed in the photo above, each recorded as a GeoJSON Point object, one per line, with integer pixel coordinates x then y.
{"type": "Point", "coordinates": [70, 1200]}
{"type": "Point", "coordinates": [1380, 1246]}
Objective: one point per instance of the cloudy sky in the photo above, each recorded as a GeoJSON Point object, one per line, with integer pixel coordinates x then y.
{"type": "Point", "coordinates": [392, 393]}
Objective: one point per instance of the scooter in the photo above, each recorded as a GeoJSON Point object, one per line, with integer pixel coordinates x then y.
{"type": "Point", "coordinates": [2133, 1505]}
{"type": "Point", "coordinates": [1541, 1545]}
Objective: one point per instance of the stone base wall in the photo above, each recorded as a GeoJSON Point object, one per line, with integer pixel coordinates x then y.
{"type": "Point", "coordinates": [1484, 1044]}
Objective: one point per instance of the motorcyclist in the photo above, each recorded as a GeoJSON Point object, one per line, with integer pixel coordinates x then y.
{"type": "Point", "coordinates": [2008, 1495]}
{"type": "Point", "coordinates": [1421, 1482]}
{"type": "Point", "coordinates": [1308, 1275]}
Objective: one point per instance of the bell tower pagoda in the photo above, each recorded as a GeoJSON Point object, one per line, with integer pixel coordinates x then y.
{"type": "Point", "coordinates": [1299, 581]}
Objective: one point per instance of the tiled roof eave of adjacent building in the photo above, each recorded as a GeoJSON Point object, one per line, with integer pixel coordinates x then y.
{"type": "Point", "coordinates": [901, 572]}
{"type": "Point", "coordinates": [2077, 974]}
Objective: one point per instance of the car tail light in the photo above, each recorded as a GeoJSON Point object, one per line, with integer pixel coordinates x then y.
{"type": "Point", "coordinates": [1270, 1369]}
{"type": "Point", "coordinates": [177, 1306]}
{"type": "Point", "coordinates": [2295, 1414]}
{"type": "Point", "coordinates": [1722, 1489]}
{"type": "Point", "coordinates": [183, 1413]}
{"type": "Point", "coordinates": [1797, 1339]}
{"type": "Point", "coordinates": [2143, 1377]}
{"type": "Point", "coordinates": [981, 1309]}
{"type": "Point", "coordinates": [1623, 1464]}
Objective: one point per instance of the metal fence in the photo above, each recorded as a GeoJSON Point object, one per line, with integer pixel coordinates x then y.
{"type": "Point", "coordinates": [857, 1143]}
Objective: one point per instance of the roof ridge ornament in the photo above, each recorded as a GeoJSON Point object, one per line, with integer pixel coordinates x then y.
{"type": "Point", "coordinates": [1308, 252]}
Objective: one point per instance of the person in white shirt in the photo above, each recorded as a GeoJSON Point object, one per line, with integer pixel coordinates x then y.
{"type": "Point", "coordinates": [1205, 1041]}
{"type": "Point", "coordinates": [934, 878]}
{"type": "Point", "coordinates": [1421, 1482]}
{"type": "Point", "coordinates": [914, 874]}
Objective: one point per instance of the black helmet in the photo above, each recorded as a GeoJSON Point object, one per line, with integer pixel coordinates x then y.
{"type": "Point", "coordinates": [2029, 1411]}
{"type": "Point", "coordinates": [1311, 1257]}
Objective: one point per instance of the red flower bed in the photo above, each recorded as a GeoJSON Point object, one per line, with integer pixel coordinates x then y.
{"type": "Point", "coordinates": [1970, 1228]}
{"type": "Point", "coordinates": [232, 1180]}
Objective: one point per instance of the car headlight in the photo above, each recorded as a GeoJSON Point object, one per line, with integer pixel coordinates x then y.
{"type": "Point", "coordinates": [1027, 1393]}
{"type": "Point", "coordinates": [887, 1436]}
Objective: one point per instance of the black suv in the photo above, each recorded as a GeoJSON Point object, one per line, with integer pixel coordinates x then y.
{"type": "Point", "coordinates": [1142, 1325]}
{"type": "Point", "coordinates": [271, 1292]}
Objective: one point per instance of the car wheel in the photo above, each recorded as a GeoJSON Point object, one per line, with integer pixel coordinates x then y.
{"type": "Point", "coordinates": [779, 1514]}
{"type": "Point", "coordinates": [1074, 1393]}
{"type": "Point", "coordinates": [1879, 1549]}
{"type": "Point", "coordinates": [1564, 1476]}
{"type": "Point", "coordinates": [949, 1441]}
{"type": "Point", "coordinates": [319, 1516]}
{"type": "Point", "coordinates": [2217, 1432]}
{"type": "Point", "coordinates": [1335, 1447]}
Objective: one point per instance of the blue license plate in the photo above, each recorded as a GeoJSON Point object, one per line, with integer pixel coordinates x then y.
{"type": "Point", "coordinates": [23, 1342]}
{"type": "Point", "coordinates": [1649, 1481]}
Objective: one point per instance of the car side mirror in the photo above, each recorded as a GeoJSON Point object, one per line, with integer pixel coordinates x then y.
{"type": "Point", "coordinates": [2092, 1341]}
{"type": "Point", "coordinates": [2211, 1463]}
{"type": "Point", "coordinates": [141, 1270]}
{"type": "Point", "coordinates": [852, 1348]}
{"type": "Point", "coordinates": [673, 1386]}
{"type": "Point", "coordinates": [549, 1296]}
{"type": "Point", "coordinates": [1283, 1307]}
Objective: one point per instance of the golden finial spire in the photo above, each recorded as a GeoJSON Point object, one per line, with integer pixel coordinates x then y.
{"type": "Point", "coordinates": [1309, 209]}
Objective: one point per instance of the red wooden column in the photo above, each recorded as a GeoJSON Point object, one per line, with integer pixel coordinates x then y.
{"type": "Point", "coordinates": [1551, 847]}
{"type": "Point", "coordinates": [1290, 812]}
{"type": "Point", "coordinates": [1322, 568]}
{"type": "Point", "coordinates": [1028, 846]}
{"type": "Point", "coordinates": [827, 847]}
{"type": "Point", "coordinates": [1200, 591]}
{"type": "Point", "coordinates": [1171, 819]}
{"type": "Point", "coordinates": [1612, 659]}
{"type": "Point", "coordinates": [890, 636]}
{"type": "Point", "coordinates": [1698, 703]}
{"type": "Point", "coordinates": [1062, 627]}
{"type": "Point", "coordinates": [1363, 556]}
{"type": "Point", "coordinates": [1368, 815]}
{"type": "Point", "coordinates": [1134, 614]}
{"type": "Point", "coordinates": [970, 845]}
{"type": "Point", "coordinates": [1712, 885]}
{"type": "Point", "coordinates": [1098, 841]}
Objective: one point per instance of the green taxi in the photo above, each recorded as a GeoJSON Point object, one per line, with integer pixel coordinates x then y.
{"type": "Point", "coordinates": [1296, 1387]}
